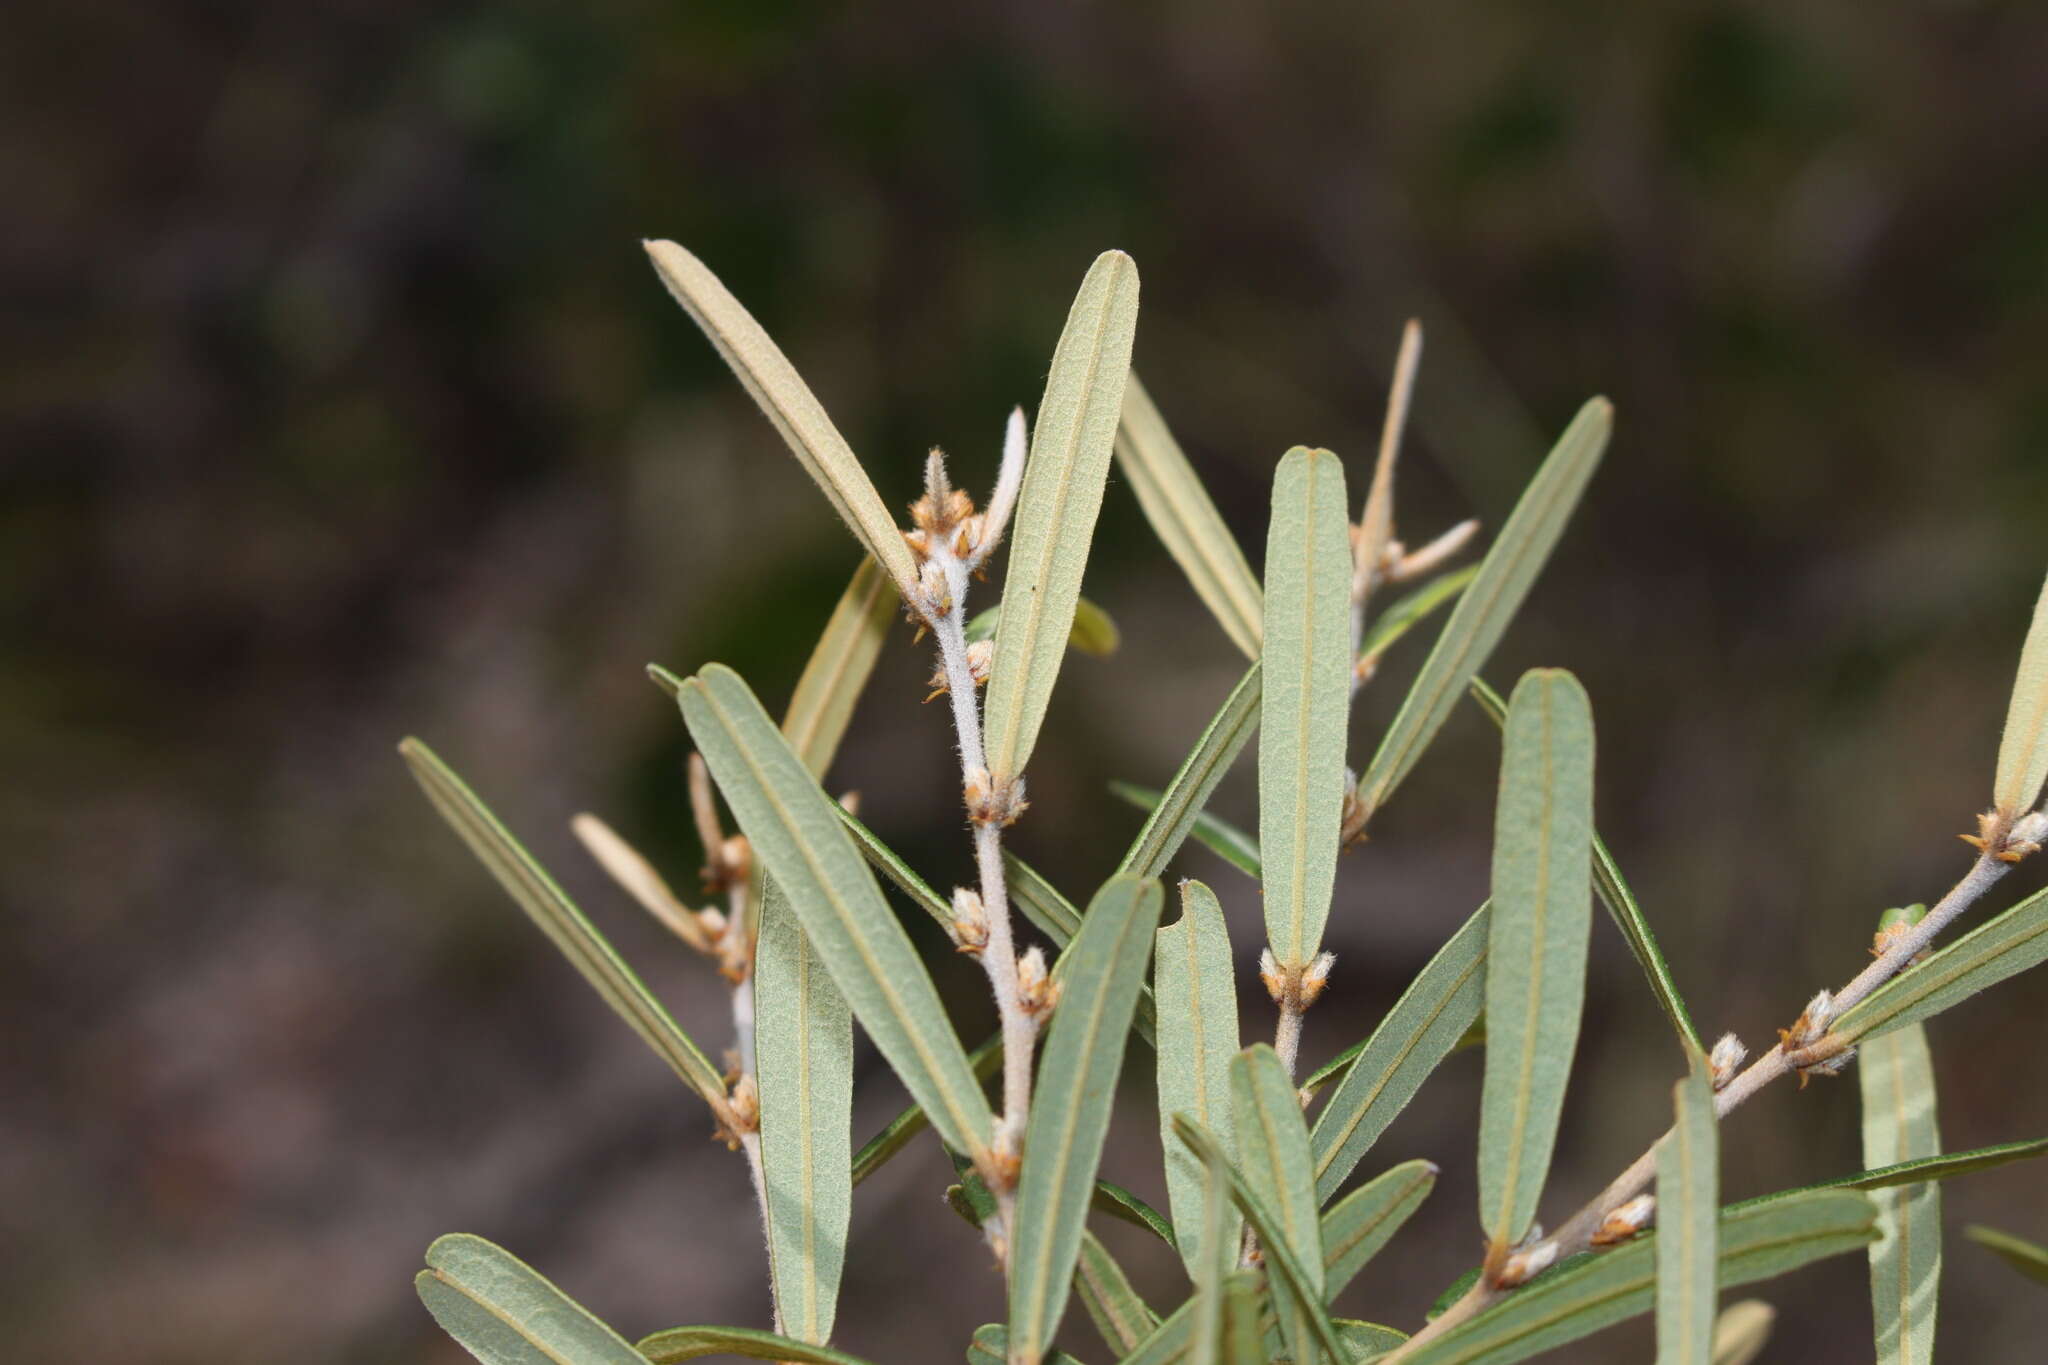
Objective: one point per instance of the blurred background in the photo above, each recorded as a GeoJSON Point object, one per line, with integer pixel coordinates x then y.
{"type": "Point", "coordinates": [341, 404]}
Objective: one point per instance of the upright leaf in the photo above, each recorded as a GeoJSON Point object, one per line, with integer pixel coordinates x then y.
{"type": "Point", "coordinates": [822, 705]}
{"type": "Point", "coordinates": [1119, 1314]}
{"type": "Point", "coordinates": [1483, 613]}
{"type": "Point", "coordinates": [1742, 1331]}
{"type": "Point", "coordinates": [1688, 1203]}
{"type": "Point", "coordinates": [2023, 750]}
{"type": "Point", "coordinates": [1084, 1050]}
{"type": "Point", "coordinates": [548, 906]}
{"type": "Point", "coordinates": [1197, 1030]}
{"type": "Point", "coordinates": [796, 830]}
{"type": "Point", "coordinates": [2001, 947]}
{"type": "Point", "coordinates": [688, 1343]}
{"type": "Point", "coordinates": [1055, 519]}
{"type": "Point", "coordinates": [1178, 810]}
{"type": "Point", "coordinates": [504, 1313]}
{"type": "Point", "coordinates": [1536, 953]}
{"type": "Point", "coordinates": [1187, 522]}
{"type": "Point", "coordinates": [1215, 1254]}
{"type": "Point", "coordinates": [1362, 1222]}
{"type": "Point", "coordinates": [1306, 704]}
{"type": "Point", "coordinates": [1896, 1077]}
{"type": "Point", "coordinates": [1212, 832]}
{"type": "Point", "coordinates": [1420, 1031]}
{"type": "Point", "coordinates": [803, 1062]}
{"type": "Point", "coordinates": [2029, 1258]}
{"type": "Point", "coordinates": [1387, 628]}
{"type": "Point", "coordinates": [1272, 1147]}
{"type": "Point", "coordinates": [788, 403]}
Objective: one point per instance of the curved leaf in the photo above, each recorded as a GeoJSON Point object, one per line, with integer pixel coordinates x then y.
{"type": "Point", "coordinates": [1197, 1022]}
{"type": "Point", "coordinates": [1688, 1201]}
{"type": "Point", "coordinates": [2001, 947]}
{"type": "Point", "coordinates": [688, 1343]}
{"type": "Point", "coordinates": [2023, 748]}
{"type": "Point", "coordinates": [1177, 811]}
{"type": "Point", "coordinates": [1055, 519]}
{"type": "Point", "coordinates": [1120, 1204]}
{"type": "Point", "coordinates": [1362, 1222]}
{"type": "Point", "coordinates": [822, 705]}
{"type": "Point", "coordinates": [505, 1313]}
{"type": "Point", "coordinates": [2026, 1257]}
{"type": "Point", "coordinates": [1896, 1078]}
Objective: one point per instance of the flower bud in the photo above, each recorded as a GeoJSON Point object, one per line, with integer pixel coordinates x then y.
{"type": "Point", "coordinates": [1726, 1059]}
{"type": "Point", "coordinates": [970, 921]}
{"type": "Point", "coordinates": [1524, 1265]}
{"type": "Point", "coordinates": [1625, 1220]}
{"type": "Point", "coordinates": [1037, 992]}
{"type": "Point", "coordinates": [1316, 977]}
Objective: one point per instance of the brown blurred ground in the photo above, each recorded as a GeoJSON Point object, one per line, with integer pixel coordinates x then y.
{"type": "Point", "coordinates": [341, 404]}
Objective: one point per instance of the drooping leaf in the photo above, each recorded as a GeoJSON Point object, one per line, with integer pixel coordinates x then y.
{"type": "Point", "coordinates": [803, 1064]}
{"type": "Point", "coordinates": [788, 403]}
{"type": "Point", "coordinates": [1622, 908]}
{"type": "Point", "coordinates": [1596, 1291]}
{"type": "Point", "coordinates": [1688, 1202]}
{"type": "Point", "coordinates": [822, 705]}
{"type": "Point", "coordinates": [1742, 1331]}
{"type": "Point", "coordinates": [2001, 947]}
{"type": "Point", "coordinates": [1094, 632]}
{"type": "Point", "coordinates": [688, 1343]}
{"type": "Point", "coordinates": [1488, 604]}
{"type": "Point", "coordinates": [1896, 1077]}
{"type": "Point", "coordinates": [504, 1312]}
{"type": "Point", "coordinates": [1305, 707]}
{"type": "Point", "coordinates": [1118, 1313]}
{"type": "Point", "coordinates": [1536, 945]}
{"type": "Point", "coordinates": [1084, 1050]}
{"type": "Point", "coordinates": [1197, 1022]}
{"type": "Point", "coordinates": [1055, 518]}
{"type": "Point", "coordinates": [900, 874]}
{"type": "Point", "coordinates": [1410, 611]}
{"type": "Point", "coordinates": [796, 831]}
{"type": "Point", "coordinates": [1362, 1222]}
{"type": "Point", "coordinates": [897, 1133]}
{"type": "Point", "coordinates": [991, 1346]}
{"type": "Point", "coordinates": [2029, 1258]}
{"type": "Point", "coordinates": [1273, 1157]}
{"type": "Point", "coordinates": [2023, 749]}
{"type": "Point", "coordinates": [1177, 812]}
{"type": "Point", "coordinates": [1420, 1031]}
{"type": "Point", "coordinates": [1186, 520]}
{"type": "Point", "coordinates": [548, 906]}
{"type": "Point", "coordinates": [1119, 1203]}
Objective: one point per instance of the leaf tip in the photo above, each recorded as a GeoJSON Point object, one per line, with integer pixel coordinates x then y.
{"type": "Point", "coordinates": [665, 680]}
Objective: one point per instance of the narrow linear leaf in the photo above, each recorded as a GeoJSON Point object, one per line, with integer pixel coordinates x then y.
{"type": "Point", "coordinates": [505, 1313]}
{"type": "Point", "coordinates": [2026, 1257]}
{"type": "Point", "coordinates": [1419, 1032]}
{"type": "Point", "coordinates": [1120, 1204]}
{"type": "Point", "coordinates": [991, 1346]}
{"type": "Point", "coordinates": [1412, 610]}
{"type": "Point", "coordinates": [640, 881]}
{"type": "Point", "coordinates": [885, 860]}
{"type": "Point", "coordinates": [1281, 1261]}
{"type": "Point", "coordinates": [1688, 1204]}
{"type": "Point", "coordinates": [1896, 1077]}
{"type": "Point", "coordinates": [803, 1063]}
{"type": "Point", "coordinates": [1488, 604]}
{"type": "Point", "coordinates": [1118, 1313]}
{"type": "Point", "coordinates": [1212, 832]}
{"type": "Point", "coordinates": [1943, 1167]}
{"type": "Point", "coordinates": [1052, 913]}
{"type": "Point", "coordinates": [1536, 947]}
{"type": "Point", "coordinates": [822, 705]}
{"type": "Point", "coordinates": [1742, 1331]}
{"type": "Point", "coordinates": [898, 1132]}
{"type": "Point", "coordinates": [1216, 1255]}
{"type": "Point", "coordinates": [548, 906]}
{"type": "Point", "coordinates": [1362, 1222]}
{"type": "Point", "coordinates": [688, 1343]}
{"type": "Point", "coordinates": [1093, 633]}
{"type": "Point", "coordinates": [1246, 1311]}
{"type": "Point", "coordinates": [1084, 1051]}
{"type": "Point", "coordinates": [2023, 749]}
{"type": "Point", "coordinates": [1178, 812]}
{"type": "Point", "coordinates": [1622, 908]}
{"type": "Point", "coordinates": [1597, 1291]}
{"type": "Point", "coordinates": [1197, 997]}
{"type": "Point", "coordinates": [1332, 1071]}
{"type": "Point", "coordinates": [1305, 707]}
{"type": "Point", "coordinates": [1273, 1156]}
{"type": "Point", "coordinates": [788, 403]}
{"type": "Point", "coordinates": [796, 829]}
{"type": "Point", "coordinates": [1186, 520]}
{"type": "Point", "coordinates": [1376, 518]}
{"type": "Point", "coordinates": [2001, 947]}
{"type": "Point", "coordinates": [1055, 518]}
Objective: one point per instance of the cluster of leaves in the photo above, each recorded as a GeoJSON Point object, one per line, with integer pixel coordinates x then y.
{"type": "Point", "coordinates": [1256, 1165]}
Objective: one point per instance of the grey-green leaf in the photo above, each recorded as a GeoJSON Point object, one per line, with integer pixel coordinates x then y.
{"type": "Point", "coordinates": [688, 1343]}
{"type": "Point", "coordinates": [900, 874]}
{"type": "Point", "coordinates": [1896, 1077]}
{"type": "Point", "coordinates": [1197, 1030]}
{"type": "Point", "coordinates": [1742, 1331]}
{"type": "Point", "coordinates": [1273, 1155]}
{"type": "Point", "coordinates": [795, 829]}
{"type": "Point", "coordinates": [1212, 832]}
{"type": "Point", "coordinates": [788, 403]}
{"type": "Point", "coordinates": [1118, 1313]}
{"type": "Point", "coordinates": [1420, 1031]}
{"type": "Point", "coordinates": [1084, 1050]}
{"type": "Point", "coordinates": [1488, 605]}
{"type": "Point", "coordinates": [1050, 912]}
{"type": "Point", "coordinates": [1987, 955]}
{"type": "Point", "coordinates": [2029, 1258]}
{"type": "Point", "coordinates": [1094, 631]}
{"type": "Point", "coordinates": [1688, 1204]}
{"type": "Point", "coordinates": [803, 1062]}
{"type": "Point", "coordinates": [1622, 908]}
{"type": "Point", "coordinates": [1306, 704]}
{"type": "Point", "coordinates": [897, 1133]}
{"type": "Point", "coordinates": [548, 906]}
{"type": "Point", "coordinates": [1056, 510]}
{"type": "Point", "coordinates": [505, 1313]}
{"type": "Point", "coordinates": [991, 1346]}
{"type": "Point", "coordinates": [1211, 1266]}
{"type": "Point", "coordinates": [1942, 1167]}
{"type": "Point", "coordinates": [1359, 1224]}
{"type": "Point", "coordinates": [822, 705]}
{"type": "Point", "coordinates": [1178, 811]}
{"type": "Point", "coordinates": [2023, 749]}
{"type": "Point", "coordinates": [1186, 520]}
{"type": "Point", "coordinates": [1119, 1203]}
{"type": "Point", "coordinates": [1411, 611]}
{"type": "Point", "coordinates": [1596, 1291]}
{"type": "Point", "coordinates": [1536, 952]}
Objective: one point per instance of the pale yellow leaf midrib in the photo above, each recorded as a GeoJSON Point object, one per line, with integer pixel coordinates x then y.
{"type": "Point", "coordinates": [1386, 1077]}
{"type": "Point", "coordinates": [1524, 1089]}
